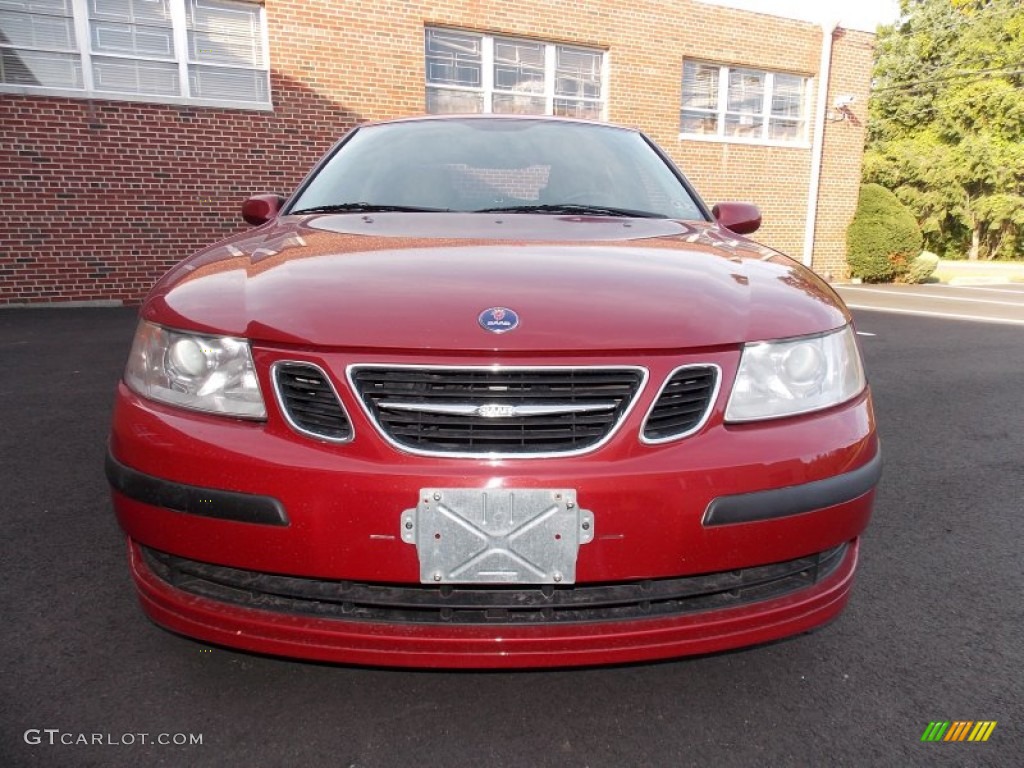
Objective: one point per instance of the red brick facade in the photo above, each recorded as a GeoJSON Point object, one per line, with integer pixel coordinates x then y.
{"type": "Point", "coordinates": [103, 196]}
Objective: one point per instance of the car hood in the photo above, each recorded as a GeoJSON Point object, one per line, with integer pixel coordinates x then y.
{"type": "Point", "coordinates": [420, 282]}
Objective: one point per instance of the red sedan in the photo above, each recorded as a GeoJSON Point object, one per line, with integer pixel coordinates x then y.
{"type": "Point", "coordinates": [493, 392]}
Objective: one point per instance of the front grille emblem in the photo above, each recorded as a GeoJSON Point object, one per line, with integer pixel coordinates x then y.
{"type": "Point", "coordinates": [496, 411]}
{"type": "Point", "coordinates": [498, 320]}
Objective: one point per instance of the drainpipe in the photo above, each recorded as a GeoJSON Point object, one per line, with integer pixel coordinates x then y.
{"type": "Point", "coordinates": [818, 146]}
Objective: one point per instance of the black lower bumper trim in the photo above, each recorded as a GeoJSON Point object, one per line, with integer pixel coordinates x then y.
{"type": "Point", "coordinates": [494, 604]}
{"type": "Point", "coordinates": [207, 502]}
{"type": "Point", "coordinates": [796, 499]}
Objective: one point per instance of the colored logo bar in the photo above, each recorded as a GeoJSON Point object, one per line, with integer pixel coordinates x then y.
{"type": "Point", "coordinates": [958, 730]}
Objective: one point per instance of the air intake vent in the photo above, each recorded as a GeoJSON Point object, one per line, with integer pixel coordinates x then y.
{"type": "Point", "coordinates": [477, 604]}
{"type": "Point", "coordinates": [508, 411]}
{"type": "Point", "coordinates": [310, 403]}
{"type": "Point", "coordinates": [683, 404]}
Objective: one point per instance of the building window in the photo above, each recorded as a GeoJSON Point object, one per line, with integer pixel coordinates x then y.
{"type": "Point", "coordinates": [469, 72]}
{"type": "Point", "coordinates": [206, 52]}
{"type": "Point", "coordinates": [739, 104]}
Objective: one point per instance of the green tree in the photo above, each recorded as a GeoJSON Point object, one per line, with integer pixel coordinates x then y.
{"type": "Point", "coordinates": [947, 123]}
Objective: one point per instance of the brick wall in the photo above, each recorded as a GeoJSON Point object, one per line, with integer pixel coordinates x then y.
{"type": "Point", "coordinates": [104, 196]}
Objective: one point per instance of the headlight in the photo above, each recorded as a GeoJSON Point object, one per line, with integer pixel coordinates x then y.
{"type": "Point", "coordinates": [206, 373]}
{"type": "Point", "coordinates": [784, 378]}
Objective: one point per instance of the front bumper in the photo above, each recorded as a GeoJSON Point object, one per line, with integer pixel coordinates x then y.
{"type": "Point", "coordinates": [260, 498]}
{"type": "Point", "coordinates": [492, 645]}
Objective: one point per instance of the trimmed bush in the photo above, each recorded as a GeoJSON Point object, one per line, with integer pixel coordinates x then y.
{"type": "Point", "coordinates": [922, 267]}
{"type": "Point", "coordinates": [883, 237]}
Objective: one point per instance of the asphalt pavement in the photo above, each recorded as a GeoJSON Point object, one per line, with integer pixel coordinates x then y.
{"type": "Point", "coordinates": [933, 630]}
{"type": "Point", "coordinates": [1002, 304]}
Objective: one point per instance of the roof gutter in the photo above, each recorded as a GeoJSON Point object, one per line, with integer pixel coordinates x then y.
{"type": "Point", "coordinates": [828, 28]}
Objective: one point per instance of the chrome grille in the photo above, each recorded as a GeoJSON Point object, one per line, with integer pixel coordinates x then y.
{"type": "Point", "coordinates": [309, 402]}
{"type": "Point", "coordinates": [507, 411]}
{"type": "Point", "coordinates": [683, 404]}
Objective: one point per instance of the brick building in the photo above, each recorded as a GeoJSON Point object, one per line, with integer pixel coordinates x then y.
{"type": "Point", "coordinates": [131, 130]}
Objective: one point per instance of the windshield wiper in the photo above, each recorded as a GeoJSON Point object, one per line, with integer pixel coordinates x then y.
{"type": "Point", "coordinates": [366, 208]}
{"type": "Point", "coordinates": [570, 208]}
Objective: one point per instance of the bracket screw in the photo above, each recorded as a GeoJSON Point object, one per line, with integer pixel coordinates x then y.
{"type": "Point", "coordinates": [437, 497]}
{"type": "Point", "coordinates": [557, 576]}
{"type": "Point", "coordinates": [437, 577]}
{"type": "Point", "coordinates": [586, 525]}
{"type": "Point", "coordinates": [408, 525]}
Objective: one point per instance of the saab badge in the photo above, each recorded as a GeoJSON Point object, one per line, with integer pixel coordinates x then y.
{"type": "Point", "coordinates": [498, 320]}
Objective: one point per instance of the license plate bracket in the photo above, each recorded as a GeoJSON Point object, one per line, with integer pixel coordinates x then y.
{"type": "Point", "coordinates": [497, 536]}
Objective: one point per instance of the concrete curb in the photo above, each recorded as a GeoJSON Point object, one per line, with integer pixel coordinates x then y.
{"type": "Point", "coordinates": [982, 280]}
{"type": "Point", "coordinates": [979, 272]}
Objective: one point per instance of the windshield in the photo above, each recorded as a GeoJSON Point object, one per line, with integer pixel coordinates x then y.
{"type": "Point", "coordinates": [501, 164]}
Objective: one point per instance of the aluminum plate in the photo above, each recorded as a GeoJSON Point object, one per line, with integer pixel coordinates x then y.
{"type": "Point", "coordinates": [501, 536]}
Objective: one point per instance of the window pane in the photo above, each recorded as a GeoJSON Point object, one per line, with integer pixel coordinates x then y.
{"type": "Point", "coordinates": [702, 123]}
{"type": "Point", "coordinates": [578, 72]}
{"type": "Point", "coordinates": [59, 7]}
{"type": "Point", "coordinates": [131, 28]}
{"type": "Point", "coordinates": [518, 66]}
{"type": "Point", "coordinates": [746, 91]}
{"type": "Point", "coordinates": [746, 126]}
{"type": "Point", "coordinates": [786, 130]}
{"type": "Point", "coordinates": [441, 101]}
{"type": "Point", "coordinates": [453, 58]}
{"type": "Point", "coordinates": [131, 11]}
{"type": "Point", "coordinates": [700, 85]}
{"type": "Point", "coordinates": [134, 76]}
{"type": "Point", "coordinates": [134, 28]}
{"type": "Point", "coordinates": [40, 68]}
{"type": "Point", "coordinates": [36, 30]}
{"type": "Point", "coordinates": [507, 104]}
{"type": "Point", "coordinates": [224, 32]}
{"type": "Point", "coordinates": [132, 39]}
{"type": "Point", "coordinates": [584, 110]}
{"type": "Point", "coordinates": [228, 84]}
{"type": "Point", "coordinates": [46, 24]}
{"type": "Point", "coordinates": [788, 96]}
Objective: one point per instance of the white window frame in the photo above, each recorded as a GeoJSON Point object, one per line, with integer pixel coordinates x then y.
{"type": "Point", "coordinates": [487, 88]}
{"type": "Point", "coordinates": [179, 18]}
{"type": "Point", "coordinates": [721, 110]}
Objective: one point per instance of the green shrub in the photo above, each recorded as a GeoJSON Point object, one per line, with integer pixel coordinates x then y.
{"type": "Point", "coordinates": [883, 237]}
{"type": "Point", "coordinates": [921, 268]}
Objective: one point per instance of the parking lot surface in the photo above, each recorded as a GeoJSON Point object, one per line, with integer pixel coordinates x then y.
{"type": "Point", "coordinates": [933, 631]}
{"type": "Point", "coordinates": [1001, 304]}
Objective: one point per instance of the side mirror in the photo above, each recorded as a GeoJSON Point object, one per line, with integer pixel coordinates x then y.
{"type": "Point", "coordinates": [259, 209]}
{"type": "Point", "coordinates": [741, 218]}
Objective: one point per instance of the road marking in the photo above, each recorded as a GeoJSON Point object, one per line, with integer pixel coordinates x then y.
{"type": "Point", "coordinates": [945, 315]}
{"type": "Point", "coordinates": [938, 298]}
{"type": "Point", "coordinates": [979, 288]}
